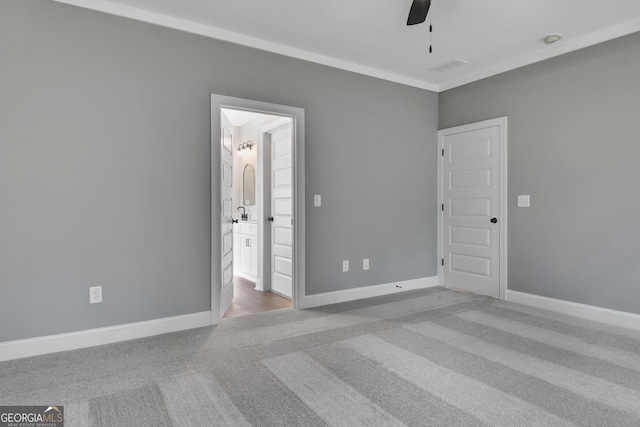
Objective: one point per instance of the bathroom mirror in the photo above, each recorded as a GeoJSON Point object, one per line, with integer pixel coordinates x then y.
{"type": "Point", "coordinates": [249, 185]}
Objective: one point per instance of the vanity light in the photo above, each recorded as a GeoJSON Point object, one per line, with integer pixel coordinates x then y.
{"type": "Point", "coordinates": [245, 145]}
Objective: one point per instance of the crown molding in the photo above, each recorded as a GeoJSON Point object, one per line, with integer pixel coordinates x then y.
{"type": "Point", "coordinates": [244, 40]}
{"type": "Point", "coordinates": [553, 51]}
{"type": "Point", "coordinates": [241, 39]}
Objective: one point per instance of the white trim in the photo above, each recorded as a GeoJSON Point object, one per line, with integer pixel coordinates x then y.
{"type": "Point", "coordinates": [265, 285]}
{"type": "Point", "coordinates": [248, 277]}
{"type": "Point", "coordinates": [583, 311]}
{"type": "Point", "coordinates": [353, 294]}
{"type": "Point", "coordinates": [501, 122]}
{"type": "Point", "coordinates": [504, 206]}
{"type": "Point", "coordinates": [557, 50]}
{"type": "Point", "coordinates": [92, 337]}
{"type": "Point", "coordinates": [297, 117]}
{"type": "Point", "coordinates": [244, 40]}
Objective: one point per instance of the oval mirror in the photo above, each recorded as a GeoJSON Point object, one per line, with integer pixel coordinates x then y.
{"type": "Point", "coordinates": [249, 185]}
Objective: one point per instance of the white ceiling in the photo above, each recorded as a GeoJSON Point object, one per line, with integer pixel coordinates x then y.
{"type": "Point", "coordinates": [239, 117]}
{"type": "Point", "coordinates": [370, 36]}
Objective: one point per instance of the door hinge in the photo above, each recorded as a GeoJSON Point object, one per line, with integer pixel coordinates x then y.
{"type": "Point", "coordinates": [443, 206]}
{"type": "Point", "coordinates": [442, 261]}
{"type": "Point", "coordinates": [443, 152]}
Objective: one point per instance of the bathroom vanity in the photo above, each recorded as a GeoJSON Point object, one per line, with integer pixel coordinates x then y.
{"type": "Point", "coordinates": [245, 254]}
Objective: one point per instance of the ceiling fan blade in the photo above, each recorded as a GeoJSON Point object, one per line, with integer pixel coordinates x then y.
{"type": "Point", "coordinates": [418, 12]}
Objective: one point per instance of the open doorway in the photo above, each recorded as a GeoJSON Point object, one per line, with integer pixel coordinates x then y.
{"type": "Point", "coordinates": [261, 190]}
{"type": "Point", "coordinates": [257, 216]}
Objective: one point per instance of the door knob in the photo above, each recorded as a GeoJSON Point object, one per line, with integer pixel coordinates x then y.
{"type": "Point", "coordinates": [234, 221]}
{"type": "Point", "coordinates": [494, 220]}
{"type": "Point", "coordinates": [270, 219]}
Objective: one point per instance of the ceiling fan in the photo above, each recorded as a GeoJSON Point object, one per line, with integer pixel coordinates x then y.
{"type": "Point", "coordinates": [418, 12]}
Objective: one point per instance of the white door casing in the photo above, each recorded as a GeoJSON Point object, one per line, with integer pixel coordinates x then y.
{"type": "Point", "coordinates": [281, 211]}
{"type": "Point", "coordinates": [296, 118]}
{"type": "Point", "coordinates": [226, 212]}
{"type": "Point", "coordinates": [472, 194]}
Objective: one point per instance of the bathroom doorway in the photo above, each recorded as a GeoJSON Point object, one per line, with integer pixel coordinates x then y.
{"type": "Point", "coordinates": [257, 158]}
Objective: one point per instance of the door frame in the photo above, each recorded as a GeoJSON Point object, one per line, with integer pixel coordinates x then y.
{"type": "Point", "coordinates": [501, 122]}
{"type": "Point", "coordinates": [298, 123]}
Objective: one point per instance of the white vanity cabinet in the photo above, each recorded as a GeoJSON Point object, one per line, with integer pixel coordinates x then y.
{"type": "Point", "coordinates": [246, 250]}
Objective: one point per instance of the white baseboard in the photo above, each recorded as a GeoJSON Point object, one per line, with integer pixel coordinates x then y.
{"type": "Point", "coordinates": [246, 276]}
{"type": "Point", "coordinates": [99, 336]}
{"type": "Point", "coordinates": [583, 311]}
{"type": "Point", "coordinates": [326, 298]}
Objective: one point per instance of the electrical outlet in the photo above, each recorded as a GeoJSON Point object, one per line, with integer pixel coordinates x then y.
{"type": "Point", "coordinates": [95, 294]}
{"type": "Point", "coordinates": [345, 265]}
{"type": "Point", "coordinates": [365, 264]}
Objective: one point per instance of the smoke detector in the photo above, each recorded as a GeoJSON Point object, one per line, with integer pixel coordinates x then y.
{"type": "Point", "coordinates": [552, 38]}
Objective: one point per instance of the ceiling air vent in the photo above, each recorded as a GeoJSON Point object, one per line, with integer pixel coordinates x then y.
{"type": "Point", "coordinates": [449, 65]}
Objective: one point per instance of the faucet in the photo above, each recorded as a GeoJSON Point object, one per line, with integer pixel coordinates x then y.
{"type": "Point", "coordinates": [244, 213]}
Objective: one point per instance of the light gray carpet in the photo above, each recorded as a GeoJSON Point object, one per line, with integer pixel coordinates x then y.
{"type": "Point", "coordinates": [433, 357]}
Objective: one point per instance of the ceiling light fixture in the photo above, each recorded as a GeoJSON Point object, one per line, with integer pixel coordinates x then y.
{"type": "Point", "coordinates": [552, 38]}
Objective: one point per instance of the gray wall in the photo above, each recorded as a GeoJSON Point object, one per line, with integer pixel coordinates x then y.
{"type": "Point", "coordinates": [574, 147]}
{"type": "Point", "coordinates": [104, 167]}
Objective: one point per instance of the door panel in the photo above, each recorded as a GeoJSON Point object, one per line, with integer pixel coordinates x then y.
{"type": "Point", "coordinates": [282, 211]}
{"type": "Point", "coordinates": [470, 236]}
{"type": "Point", "coordinates": [282, 178]}
{"type": "Point", "coordinates": [471, 146]}
{"type": "Point", "coordinates": [283, 236]}
{"type": "Point", "coordinates": [283, 265]}
{"type": "Point", "coordinates": [462, 208]}
{"type": "Point", "coordinates": [471, 198]}
{"type": "Point", "coordinates": [227, 243]}
{"type": "Point", "coordinates": [471, 178]}
{"type": "Point", "coordinates": [282, 205]}
{"type": "Point", "coordinates": [474, 265]}
{"type": "Point", "coordinates": [226, 226]}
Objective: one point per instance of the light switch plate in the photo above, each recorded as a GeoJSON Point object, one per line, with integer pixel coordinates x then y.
{"type": "Point", "coordinates": [317, 200]}
{"type": "Point", "coordinates": [524, 201]}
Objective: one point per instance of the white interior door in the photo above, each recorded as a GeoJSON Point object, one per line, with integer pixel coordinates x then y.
{"type": "Point", "coordinates": [281, 211]}
{"type": "Point", "coordinates": [226, 224]}
{"type": "Point", "coordinates": [472, 209]}
{"type": "Point", "coordinates": [296, 118]}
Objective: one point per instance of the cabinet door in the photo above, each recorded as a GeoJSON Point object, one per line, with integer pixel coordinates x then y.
{"type": "Point", "coordinates": [236, 252]}
{"type": "Point", "coordinates": [253, 251]}
{"type": "Point", "coordinates": [245, 254]}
